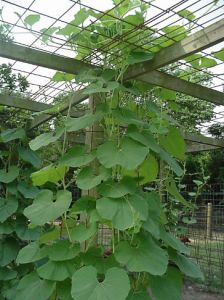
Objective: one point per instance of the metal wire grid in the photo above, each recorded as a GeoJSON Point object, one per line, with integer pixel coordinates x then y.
{"type": "Point", "coordinates": [49, 90]}
{"type": "Point", "coordinates": [209, 250]}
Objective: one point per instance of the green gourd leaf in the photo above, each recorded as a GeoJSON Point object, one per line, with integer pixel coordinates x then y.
{"type": "Point", "coordinates": [86, 179]}
{"type": "Point", "coordinates": [30, 253]}
{"type": "Point", "coordinates": [118, 211]}
{"type": "Point", "coordinates": [7, 176]}
{"type": "Point", "coordinates": [32, 287]}
{"type": "Point", "coordinates": [44, 209]}
{"type": "Point", "coordinates": [29, 156]}
{"type": "Point", "coordinates": [76, 157]}
{"type": "Point", "coordinates": [50, 173]}
{"type": "Point", "coordinates": [8, 206]}
{"type": "Point", "coordinates": [129, 155]}
{"type": "Point", "coordinates": [85, 284]}
{"type": "Point", "coordinates": [45, 139]}
{"type": "Point", "coordinates": [56, 270]}
{"type": "Point", "coordinates": [12, 134]}
{"type": "Point", "coordinates": [62, 250]}
{"type": "Point", "coordinates": [168, 286]}
{"type": "Point", "coordinates": [145, 256]}
{"type": "Point", "coordinates": [113, 189]}
{"type": "Point", "coordinates": [32, 19]}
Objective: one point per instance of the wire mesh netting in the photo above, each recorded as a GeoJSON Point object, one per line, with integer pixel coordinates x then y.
{"type": "Point", "coordinates": [164, 24]}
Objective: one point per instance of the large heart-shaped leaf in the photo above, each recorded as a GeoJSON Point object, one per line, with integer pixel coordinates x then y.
{"type": "Point", "coordinates": [173, 190]}
{"type": "Point", "coordinates": [24, 232]}
{"type": "Point", "coordinates": [170, 142]}
{"type": "Point", "coordinates": [173, 242]}
{"type": "Point", "coordinates": [147, 256]}
{"type": "Point", "coordinates": [32, 287]}
{"type": "Point", "coordinates": [118, 189]}
{"type": "Point", "coordinates": [28, 192]}
{"type": "Point", "coordinates": [144, 137]}
{"type": "Point", "coordinates": [171, 162]}
{"type": "Point", "coordinates": [135, 57]}
{"type": "Point", "coordinates": [64, 289]}
{"type": "Point", "coordinates": [86, 178]}
{"type": "Point", "coordinates": [48, 174]}
{"type": "Point", "coordinates": [140, 204]}
{"type": "Point", "coordinates": [45, 139]}
{"type": "Point", "coordinates": [30, 253]}
{"type": "Point", "coordinates": [168, 286]}
{"type": "Point", "coordinates": [81, 232]}
{"type": "Point", "coordinates": [8, 206]}
{"type": "Point", "coordinates": [7, 274]}
{"type": "Point", "coordinates": [76, 157]}
{"type": "Point", "coordinates": [148, 171]}
{"type": "Point", "coordinates": [30, 156]}
{"type": "Point", "coordinates": [118, 211]}
{"type": "Point", "coordinates": [85, 284]}
{"type": "Point", "coordinates": [126, 116]}
{"type": "Point", "coordinates": [12, 134]}
{"type": "Point", "coordinates": [62, 250]}
{"type": "Point", "coordinates": [101, 87]}
{"type": "Point", "coordinates": [6, 228]}
{"type": "Point", "coordinates": [74, 124]}
{"type": "Point", "coordinates": [186, 265]}
{"type": "Point", "coordinates": [96, 258]}
{"type": "Point", "coordinates": [129, 155]}
{"type": "Point", "coordinates": [139, 295]}
{"type": "Point", "coordinates": [56, 270]}
{"type": "Point", "coordinates": [44, 209]}
{"type": "Point", "coordinates": [8, 251]}
{"type": "Point", "coordinates": [10, 175]}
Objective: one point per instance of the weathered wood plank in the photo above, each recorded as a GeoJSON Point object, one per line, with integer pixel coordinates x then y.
{"type": "Point", "coordinates": [42, 58]}
{"type": "Point", "coordinates": [27, 104]}
{"type": "Point", "coordinates": [201, 139]}
{"type": "Point", "coordinates": [183, 86]}
{"type": "Point", "coordinates": [195, 147]}
{"type": "Point", "coordinates": [77, 97]}
{"type": "Point", "coordinates": [194, 43]}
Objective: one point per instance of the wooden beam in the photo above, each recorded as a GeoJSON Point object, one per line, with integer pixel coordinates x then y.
{"type": "Point", "coordinates": [182, 86]}
{"type": "Point", "coordinates": [194, 43]}
{"type": "Point", "coordinates": [77, 97]}
{"type": "Point", "coordinates": [201, 139]}
{"type": "Point", "coordinates": [27, 104]}
{"type": "Point", "coordinates": [42, 58]}
{"type": "Point", "coordinates": [195, 147]}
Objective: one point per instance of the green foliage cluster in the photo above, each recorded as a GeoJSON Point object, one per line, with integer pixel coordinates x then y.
{"type": "Point", "coordinates": [64, 261]}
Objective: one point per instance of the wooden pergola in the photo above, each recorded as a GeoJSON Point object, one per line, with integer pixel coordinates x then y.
{"type": "Point", "coordinates": [149, 72]}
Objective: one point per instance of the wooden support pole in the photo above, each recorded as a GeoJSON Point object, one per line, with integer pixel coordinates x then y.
{"type": "Point", "coordinates": [94, 136]}
{"type": "Point", "coordinates": [209, 221]}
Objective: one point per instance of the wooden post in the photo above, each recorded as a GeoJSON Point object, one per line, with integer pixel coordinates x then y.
{"type": "Point", "coordinates": [209, 221]}
{"type": "Point", "coordinates": [94, 136]}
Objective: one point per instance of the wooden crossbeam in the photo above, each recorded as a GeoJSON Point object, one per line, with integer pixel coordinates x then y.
{"type": "Point", "coordinates": [195, 147]}
{"type": "Point", "coordinates": [77, 97]}
{"type": "Point", "coordinates": [42, 58]}
{"type": "Point", "coordinates": [179, 85]}
{"type": "Point", "coordinates": [27, 104]}
{"type": "Point", "coordinates": [194, 43]}
{"type": "Point", "coordinates": [201, 139]}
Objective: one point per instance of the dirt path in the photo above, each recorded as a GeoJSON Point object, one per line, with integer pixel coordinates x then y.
{"type": "Point", "coordinates": [193, 292]}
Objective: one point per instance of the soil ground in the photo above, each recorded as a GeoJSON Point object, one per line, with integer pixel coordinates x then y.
{"type": "Point", "coordinates": [195, 292]}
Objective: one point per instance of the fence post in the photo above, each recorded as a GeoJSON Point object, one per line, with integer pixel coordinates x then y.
{"type": "Point", "coordinates": [209, 220]}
